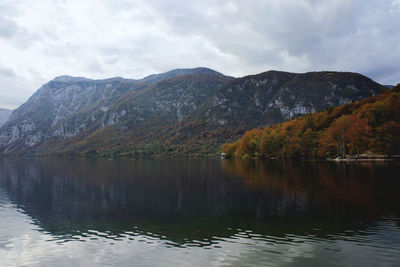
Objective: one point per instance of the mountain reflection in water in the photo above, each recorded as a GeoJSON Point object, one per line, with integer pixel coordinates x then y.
{"type": "Point", "coordinates": [203, 202]}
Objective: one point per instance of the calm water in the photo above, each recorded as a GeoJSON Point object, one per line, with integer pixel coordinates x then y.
{"type": "Point", "coordinates": [63, 212]}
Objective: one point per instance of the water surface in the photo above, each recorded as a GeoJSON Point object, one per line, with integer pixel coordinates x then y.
{"type": "Point", "coordinates": [64, 212]}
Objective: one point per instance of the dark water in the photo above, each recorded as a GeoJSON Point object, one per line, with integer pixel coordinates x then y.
{"type": "Point", "coordinates": [63, 212]}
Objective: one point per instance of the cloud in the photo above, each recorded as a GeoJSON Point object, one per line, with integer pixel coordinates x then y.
{"type": "Point", "coordinates": [7, 72]}
{"type": "Point", "coordinates": [7, 27]}
{"type": "Point", "coordinates": [14, 90]}
{"type": "Point", "coordinates": [133, 38]}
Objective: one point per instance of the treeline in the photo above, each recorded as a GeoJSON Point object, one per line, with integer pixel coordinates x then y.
{"type": "Point", "coordinates": [372, 125]}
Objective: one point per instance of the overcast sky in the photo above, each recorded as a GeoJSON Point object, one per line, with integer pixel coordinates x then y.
{"type": "Point", "coordinates": [42, 39]}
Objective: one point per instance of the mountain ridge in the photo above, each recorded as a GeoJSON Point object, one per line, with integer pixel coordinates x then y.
{"type": "Point", "coordinates": [192, 110]}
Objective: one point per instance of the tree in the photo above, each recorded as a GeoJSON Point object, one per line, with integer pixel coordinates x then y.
{"type": "Point", "coordinates": [358, 134]}
{"type": "Point", "coordinates": [271, 143]}
{"type": "Point", "coordinates": [309, 143]}
{"type": "Point", "coordinates": [229, 149]}
{"type": "Point", "coordinates": [337, 133]}
{"type": "Point", "coordinates": [248, 144]}
{"type": "Point", "coordinates": [387, 138]}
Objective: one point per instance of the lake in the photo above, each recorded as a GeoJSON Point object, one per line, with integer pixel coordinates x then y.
{"type": "Point", "coordinates": [198, 212]}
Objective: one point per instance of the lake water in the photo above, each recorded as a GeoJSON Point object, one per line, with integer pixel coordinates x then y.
{"type": "Point", "coordinates": [80, 212]}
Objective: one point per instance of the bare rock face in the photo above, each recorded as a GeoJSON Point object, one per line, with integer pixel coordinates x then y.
{"type": "Point", "coordinates": [67, 112]}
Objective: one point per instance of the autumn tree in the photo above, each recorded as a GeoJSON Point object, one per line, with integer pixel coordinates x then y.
{"type": "Point", "coordinates": [358, 134]}
{"type": "Point", "coordinates": [229, 149]}
{"type": "Point", "coordinates": [337, 134]}
{"type": "Point", "coordinates": [248, 144]}
{"type": "Point", "coordinates": [272, 142]}
{"type": "Point", "coordinates": [387, 138]}
{"type": "Point", "coordinates": [309, 143]}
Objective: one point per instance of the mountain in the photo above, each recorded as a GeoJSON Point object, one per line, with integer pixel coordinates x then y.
{"type": "Point", "coordinates": [273, 96]}
{"type": "Point", "coordinates": [4, 115]}
{"type": "Point", "coordinates": [183, 111]}
{"type": "Point", "coordinates": [63, 107]}
{"type": "Point", "coordinates": [178, 72]}
{"type": "Point", "coordinates": [388, 86]}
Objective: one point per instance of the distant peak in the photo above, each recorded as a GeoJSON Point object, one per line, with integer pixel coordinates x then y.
{"type": "Point", "coordinates": [389, 86]}
{"type": "Point", "coordinates": [67, 78]}
{"type": "Point", "coordinates": [198, 70]}
{"type": "Point", "coordinates": [114, 79]}
{"type": "Point", "coordinates": [180, 72]}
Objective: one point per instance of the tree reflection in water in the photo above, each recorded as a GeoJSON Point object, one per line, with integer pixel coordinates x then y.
{"type": "Point", "coordinates": [186, 201]}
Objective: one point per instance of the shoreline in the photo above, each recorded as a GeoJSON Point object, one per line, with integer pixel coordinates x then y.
{"type": "Point", "coordinates": [371, 159]}
{"type": "Point", "coordinates": [363, 158]}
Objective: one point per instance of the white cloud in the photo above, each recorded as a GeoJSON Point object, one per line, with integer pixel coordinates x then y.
{"type": "Point", "coordinates": [99, 39]}
{"type": "Point", "coordinates": [231, 8]}
{"type": "Point", "coordinates": [396, 4]}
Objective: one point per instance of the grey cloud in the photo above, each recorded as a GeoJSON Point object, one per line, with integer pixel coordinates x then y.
{"type": "Point", "coordinates": [11, 31]}
{"type": "Point", "coordinates": [112, 59]}
{"type": "Point", "coordinates": [7, 27]}
{"type": "Point", "coordinates": [93, 65]}
{"type": "Point", "coordinates": [7, 72]}
{"type": "Point", "coordinates": [15, 90]}
{"type": "Point", "coordinates": [184, 17]}
{"type": "Point", "coordinates": [321, 34]}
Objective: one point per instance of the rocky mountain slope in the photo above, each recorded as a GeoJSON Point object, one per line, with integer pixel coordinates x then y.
{"type": "Point", "coordinates": [4, 115]}
{"type": "Point", "coordinates": [180, 111]}
{"type": "Point", "coordinates": [273, 96]}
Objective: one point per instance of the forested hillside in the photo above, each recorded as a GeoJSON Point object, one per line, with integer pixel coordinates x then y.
{"type": "Point", "coordinates": [370, 125]}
